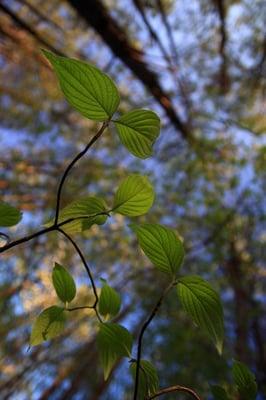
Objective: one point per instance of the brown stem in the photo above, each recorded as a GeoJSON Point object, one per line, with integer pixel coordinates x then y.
{"type": "Point", "coordinates": [142, 331]}
{"type": "Point", "coordinates": [87, 268]}
{"type": "Point", "coordinates": [71, 165]}
{"type": "Point", "coordinates": [176, 388]}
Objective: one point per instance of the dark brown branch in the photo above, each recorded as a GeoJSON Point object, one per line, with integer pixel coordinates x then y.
{"type": "Point", "coordinates": [142, 331]}
{"type": "Point", "coordinates": [224, 80]}
{"type": "Point", "coordinates": [28, 28]}
{"type": "Point", "coordinates": [40, 16]}
{"type": "Point", "coordinates": [176, 388]}
{"type": "Point", "coordinates": [112, 34]}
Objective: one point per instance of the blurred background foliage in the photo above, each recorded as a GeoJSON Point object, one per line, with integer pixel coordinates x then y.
{"type": "Point", "coordinates": [201, 65]}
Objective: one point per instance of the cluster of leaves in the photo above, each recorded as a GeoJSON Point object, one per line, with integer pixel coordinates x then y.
{"type": "Point", "coordinates": [95, 96]}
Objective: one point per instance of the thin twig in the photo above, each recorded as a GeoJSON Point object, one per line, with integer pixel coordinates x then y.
{"type": "Point", "coordinates": [142, 331]}
{"type": "Point", "coordinates": [71, 165]}
{"type": "Point", "coordinates": [79, 308]}
{"type": "Point", "coordinates": [176, 388]}
{"type": "Point", "coordinates": [87, 269]}
{"type": "Point", "coordinates": [47, 230]}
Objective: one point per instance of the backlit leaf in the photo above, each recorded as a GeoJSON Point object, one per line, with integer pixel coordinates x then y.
{"type": "Point", "coordinates": [114, 341]}
{"type": "Point", "coordinates": [63, 283]}
{"type": "Point", "coordinates": [161, 245]}
{"type": "Point", "coordinates": [138, 130]}
{"type": "Point", "coordinates": [134, 196]}
{"type": "Point", "coordinates": [84, 212]}
{"type": "Point", "coordinates": [245, 381]}
{"type": "Point", "coordinates": [49, 324]}
{"type": "Point", "coordinates": [87, 89]}
{"type": "Point", "coordinates": [148, 379]}
{"type": "Point", "coordinates": [109, 301]}
{"type": "Point", "coordinates": [203, 305]}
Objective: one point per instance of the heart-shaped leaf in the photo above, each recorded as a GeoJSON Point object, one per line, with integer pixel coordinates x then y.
{"type": "Point", "coordinates": [203, 305]}
{"type": "Point", "coordinates": [134, 196]}
{"type": "Point", "coordinates": [87, 89]}
{"type": "Point", "coordinates": [9, 215]}
{"type": "Point", "coordinates": [138, 130]}
{"type": "Point", "coordinates": [63, 283]}
{"type": "Point", "coordinates": [114, 341]}
{"type": "Point", "coordinates": [148, 379]}
{"type": "Point", "coordinates": [161, 245]}
{"type": "Point", "coordinates": [109, 301]}
{"type": "Point", "coordinates": [49, 324]}
{"type": "Point", "coordinates": [83, 211]}
{"type": "Point", "coordinates": [245, 381]}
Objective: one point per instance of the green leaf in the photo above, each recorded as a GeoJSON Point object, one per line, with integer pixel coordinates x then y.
{"type": "Point", "coordinates": [219, 393]}
{"type": "Point", "coordinates": [109, 301]}
{"type": "Point", "coordinates": [48, 324]}
{"type": "Point", "coordinates": [245, 381]}
{"type": "Point", "coordinates": [138, 130]}
{"type": "Point", "coordinates": [63, 283]}
{"type": "Point", "coordinates": [161, 245]}
{"type": "Point", "coordinates": [9, 215]}
{"type": "Point", "coordinates": [134, 196]}
{"type": "Point", "coordinates": [87, 89]}
{"type": "Point", "coordinates": [84, 211]}
{"type": "Point", "coordinates": [148, 379]}
{"type": "Point", "coordinates": [203, 305]}
{"type": "Point", "coordinates": [114, 341]}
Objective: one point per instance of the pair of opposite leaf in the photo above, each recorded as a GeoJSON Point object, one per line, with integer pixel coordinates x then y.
{"type": "Point", "coordinates": [51, 321]}
{"type": "Point", "coordinates": [95, 96]}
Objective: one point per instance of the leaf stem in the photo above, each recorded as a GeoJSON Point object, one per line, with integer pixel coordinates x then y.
{"type": "Point", "coordinates": [71, 165]}
{"type": "Point", "coordinates": [79, 308]}
{"type": "Point", "coordinates": [142, 331]}
{"type": "Point", "coordinates": [87, 268]}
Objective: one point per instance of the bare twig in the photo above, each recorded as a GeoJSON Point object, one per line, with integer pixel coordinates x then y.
{"type": "Point", "coordinates": [71, 165]}
{"type": "Point", "coordinates": [142, 331]}
{"type": "Point", "coordinates": [87, 268]}
{"type": "Point", "coordinates": [176, 388]}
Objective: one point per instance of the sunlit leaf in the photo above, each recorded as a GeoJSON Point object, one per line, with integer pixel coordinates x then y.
{"type": "Point", "coordinates": [134, 196]}
{"type": "Point", "coordinates": [63, 283]}
{"type": "Point", "coordinates": [49, 324]}
{"type": "Point", "coordinates": [148, 379]}
{"type": "Point", "coordinates": [84, 212]}
{"type": "Point", "coordinates": [109, 301]}
{"type": "Point", "coordinates": [219, 393]}
{"type": "Point", "coordinates": [114, 341]}
{"type": "Point", "coordinates": [138, 130]}
{"type": "Point", "coordinates": [161, 245]}
{"type": "Point", "coordinates": [203, 305]}
{"type": "Point", "coordinates": [245, 381]}
{"type": "Point", "coordinates": [9, 215]}
{"type": "Point", "coordinates": [87, 89]}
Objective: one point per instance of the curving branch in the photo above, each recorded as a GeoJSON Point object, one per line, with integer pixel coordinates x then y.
{"type": "Point", "coordinates": [175, 388]}
{"type": "Point", "coordinates": [71, 165]}
{"type": "Point", "coordinates": [87, 268]}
